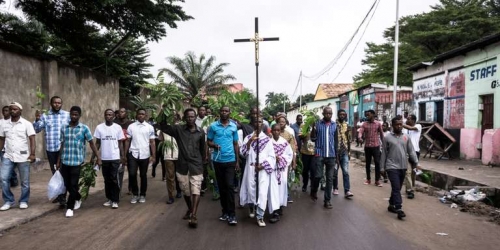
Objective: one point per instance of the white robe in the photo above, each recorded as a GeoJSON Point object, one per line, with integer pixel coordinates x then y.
{"type": "Point", "coordinates": [266, 182]}
{"type": "Point", "coordinates": [284, 157]}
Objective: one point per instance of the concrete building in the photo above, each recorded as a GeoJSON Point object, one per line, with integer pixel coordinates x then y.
{"type": "Point", "coordinates": [460, 90]}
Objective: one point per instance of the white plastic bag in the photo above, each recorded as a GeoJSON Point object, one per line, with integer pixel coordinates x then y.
{"type": "Point", "coordinates": [56, 186]}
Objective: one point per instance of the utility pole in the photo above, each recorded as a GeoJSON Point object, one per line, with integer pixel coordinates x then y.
{"type": "Point", "coordinates": [396, 58]}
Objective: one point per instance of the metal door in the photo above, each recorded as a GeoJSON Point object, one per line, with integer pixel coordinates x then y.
{"type": "Point", "coordinates": [487, 121]}
{"type": "Point", "coordinates": [439, 112]}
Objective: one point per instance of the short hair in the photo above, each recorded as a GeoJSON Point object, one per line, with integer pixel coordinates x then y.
{"type": "Point", "coordinates": [5, 107]}
{"type": "Point", "coordinates": [189, 110]}
{"type": "Point", "coordinates": [299, 115]}
{"type": "Point", "coordinates": [370, 111]}
{"type": "Point", "coordinates": [201, 107]}
{"type": "Point", "coordinates": [395, 119]}
{"type": "Point", "coordinates": [341, 110]}
{"type": "Point", "coordinates": [253, 118]}
{"type": "Point", "coordinates": [141, 109]}
{"type": "Point", "coordinates": [274, 125]}
{"type": "Point", "coordinates": [109, 110]}
{"type": "Point", "coordinates": [413, 117]}
{"type": "Point", "coordinates": [54, 97]}
{"type": "Point", "coordinates": [77, 109]}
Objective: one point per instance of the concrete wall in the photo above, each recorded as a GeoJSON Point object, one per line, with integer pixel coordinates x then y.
{"type": "Point", "coordinates": [21, 74]}
{"type": "Point", "coordinates": [291, 115]}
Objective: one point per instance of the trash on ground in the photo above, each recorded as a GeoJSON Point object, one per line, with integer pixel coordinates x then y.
{"type": "Point", "coordinates": [442, 234]}
{"type": "Point", "coordinates": [453, 205]}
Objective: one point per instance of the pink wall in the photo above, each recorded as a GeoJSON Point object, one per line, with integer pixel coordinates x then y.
{"type": "Point", "coordinates": [469, 138]}
{"type": "Point", "coordinates": [491, 147]}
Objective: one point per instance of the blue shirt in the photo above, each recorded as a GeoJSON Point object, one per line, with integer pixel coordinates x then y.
{"type": "Point", "coordinates": [325, 138]}
{"type": "Point", "coordinates": [224, 137]}
{"type": "Point", "coordinates": [296, 129]}
{"type": "Point", "coordinates": [52, 123]}
{"type": "Point", "coordinates": [74, 138]}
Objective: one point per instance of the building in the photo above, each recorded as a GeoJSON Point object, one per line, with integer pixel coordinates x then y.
{"type": "Point", "coordinates": [377, 97]}
{"type": "Point", "coordinates": [460, 90]}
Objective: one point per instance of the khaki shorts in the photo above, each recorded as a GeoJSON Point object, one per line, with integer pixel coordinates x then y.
{"type": "Point", "coordinates": [190, 184]}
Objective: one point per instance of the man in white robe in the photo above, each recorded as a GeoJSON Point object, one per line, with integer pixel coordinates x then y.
{"type": "Point", "coordinates": [265, 169]}
{"type": "Point", "coordinates": [284, 156]}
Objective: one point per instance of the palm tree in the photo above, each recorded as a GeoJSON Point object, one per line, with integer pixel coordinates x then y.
{"type": "Point", "coordinates": [197, 76]}
{"type": "Point", "coordinates": [270, 98]}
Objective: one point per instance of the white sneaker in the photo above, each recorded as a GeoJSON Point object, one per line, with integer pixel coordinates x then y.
{"type": "Point", "coordinates": [251, 213]}
{"type": "Point", "coordinates": [134, 199]}
{"type": "Point", "coordinates": [107, 203]}
{"type": "Point", "coordinates": [142, 199]}
{"type": "Point", "coordinates": [78, 204]}
{"type": "Point", "coordinates": [5, 207]}
{"type": "Point", "coordinates": [69, 213]}
{"type": "Point", "coordinates": [261, 222]}
{"type": "Point", "coordinates": [23, 205]}
{"type": "Point", "coordinates": [114, 205]}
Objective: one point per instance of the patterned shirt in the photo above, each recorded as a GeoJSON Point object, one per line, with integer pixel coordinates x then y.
{"type": "Point", "coordinates": [290, 139]}
{"type": "Point", "coordinates": [372, 131]}
{"type": "Point", "coordinates": [344, 136]}
{"type": "Point", "coordinates": [52, 122]}
{"type": "Point", "coordinates": [325, 138]}
{"type": "Point", "coordinates": [73, 140]}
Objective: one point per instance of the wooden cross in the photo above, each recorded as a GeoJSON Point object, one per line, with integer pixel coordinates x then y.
{"type": "Point", "coordinates": [256, 40]}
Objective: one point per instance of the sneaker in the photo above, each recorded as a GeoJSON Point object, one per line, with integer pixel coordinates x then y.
{"type": "Point", "coordinates": [391, 209]}
{"type": "Point", "coordinates": [69, 213]}
{"type": "Point", "coordinates": [178, 195]}
{"type": "Point", "coordinates": [142, 199]}
{"type": "Point", "coordinates": [134, 199]}
{"type": "Point", "coordinates": [78, 204]}
{"type": "Point", "coordinates": [193, 222]}
{"type": "Point", "coordinates": [328, 205]}
{"type": "Point", "coordinates": [232, 220]}
{"type": "Point", "coordinates": [386, 180]}
{"type": "Point", "coordinates": [187, 216]}
{"type": "Point", "coordinates": [289, 199]}
{"type": "Point", "coordinates": [170, 201]}
{"type": "Point", "coordinates": [367, 182]}
{"type": "Point", "coordinates": [224, 217]}
{"type": "Point", "coordinates": [378, 184]}
{"type": "Point", "coordinates": [401, 214]}
{"type": "Point", "coordinates": [114, 205]}
{"type": "Point", "coordinates": [410, 195]}
{"type": "Point", "coordinates": [251, 212]}
{"type": "Point", "coordinates": [261, 223]}
{"type": "Point", "coordinates": [5, 207]}
{"type": "Point", "coordinates": [23, 205]}
{"type": "Point", "coordinates": [335, 192]}
{"type": "Point", "coordinates": [107, 203]}
{"type": "Point", "coordinates": [349, 194]}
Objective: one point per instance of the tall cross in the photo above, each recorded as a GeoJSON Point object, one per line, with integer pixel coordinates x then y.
{"type": "Point", "coordinates": [256, 40]}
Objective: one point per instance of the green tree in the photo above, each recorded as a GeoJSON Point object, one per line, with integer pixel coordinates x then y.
{"type": "Point", "coordinates": [197, 75]}
{"type": "Point", "coordinates": [305, 98]}
{"type": "Point", "coordinates": [450, 24]}
{"type": "Point", "coordinates": [274, 103]}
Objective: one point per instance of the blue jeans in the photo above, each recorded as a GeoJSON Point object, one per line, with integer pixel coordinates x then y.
{"type": "Point", "coordinates": [6, 173]}
{"type": "Point", "coordinates": [13, 178]}
{"type": "Point", "coordinates": [344, 164]}
{"type": "Point", "coordinates": [260, 213]}
{"type": "Point", "coordinates": [329, 163]}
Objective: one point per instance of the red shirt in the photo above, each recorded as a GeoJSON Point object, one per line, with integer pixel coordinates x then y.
{"type": "Point", "coordinates": [373, 133]}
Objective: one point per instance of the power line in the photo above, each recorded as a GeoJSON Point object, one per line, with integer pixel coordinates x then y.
{"type": "Point", "coordinates": [334, 61]}
{"type": "Point", "coordinates": [356, 46]}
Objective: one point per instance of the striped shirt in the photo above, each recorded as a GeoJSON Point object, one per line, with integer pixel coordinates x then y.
{"type": "Point", "coordinates": [52, 123]}
{"type": "Point", "coordinates": [372, 131]}
{"type": "Point", "coordinates": [73, 140]}
{"type": "Point", "coordinates": [326, 139]}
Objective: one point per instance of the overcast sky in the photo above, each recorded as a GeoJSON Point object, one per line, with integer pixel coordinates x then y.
{"type": "Point", "coordinates": [311, 34]}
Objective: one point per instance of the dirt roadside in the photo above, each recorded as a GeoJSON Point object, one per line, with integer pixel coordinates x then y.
{"type": "Point", "coordinates": [426, 216]}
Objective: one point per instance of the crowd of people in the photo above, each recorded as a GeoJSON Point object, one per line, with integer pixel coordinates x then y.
{"type": "Point", "coordinates": [262, 154]}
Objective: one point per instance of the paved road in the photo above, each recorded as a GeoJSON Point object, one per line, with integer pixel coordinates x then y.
{"type": "Point", "coordinates": [156, 225]}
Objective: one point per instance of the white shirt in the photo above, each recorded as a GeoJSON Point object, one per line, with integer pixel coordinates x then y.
{"type": "Point", "coordinates": [17, 139]}
{"type": "Point", "coordinates": [140, 134]}
{"type": "Point", "coordinates": [199, 121]}
{"type": "Point", "coordinates": [109, 136]}
{"type": "Point", "coordinates": [414, 136]}
{"type": "Point", "coordinates": [171, 150]}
